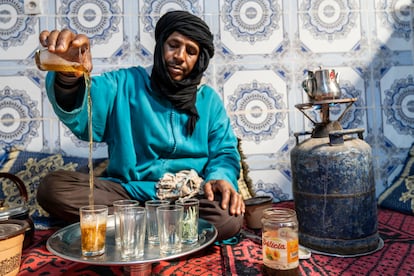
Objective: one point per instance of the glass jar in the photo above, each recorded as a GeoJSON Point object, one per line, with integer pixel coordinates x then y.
{"type": "Point", "coordinates": [280, 242]}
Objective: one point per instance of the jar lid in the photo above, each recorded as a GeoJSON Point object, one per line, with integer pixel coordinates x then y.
{"type": "Point", "coordinates": [258, 200]}
{"type": "Point", "coordinates": [12, 228]}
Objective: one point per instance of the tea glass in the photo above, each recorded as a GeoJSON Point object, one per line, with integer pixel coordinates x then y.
{"type": "Point", "coordinates": [170, 228]}
{"type": "Point", "coordinates": [190, 219]}
{"type": "Point", "coordinates": [118, 206]}
{"type": "Point", "coordinates": [152, 222]}
{"type": "Point", "coordinates": [93, 229]}
{"type": "Point", "coordinates": [132, 222]}
{"type": "Point", "coordinates": [66, 62]}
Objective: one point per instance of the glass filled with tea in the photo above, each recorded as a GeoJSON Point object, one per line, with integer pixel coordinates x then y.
{"type": "Point", "coordinates": [93, 229]}
{"type": "Point", "coordinates": [69, 62]}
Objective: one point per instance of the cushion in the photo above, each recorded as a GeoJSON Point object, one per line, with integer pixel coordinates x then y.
{"type": "Point", "coordinates": [31, 167]}
{"type": "Point", "coordinates": [399, 195]}
{"type": "Point", "coordinates": [245, 183]}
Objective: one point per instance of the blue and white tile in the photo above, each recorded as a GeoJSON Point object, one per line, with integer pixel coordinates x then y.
{"type": "Point", "coordinates": [257, 105]}
{"type": "Point", "coordinates": [352, 84]}
{"type": "Point", "coordinates": [100, 20]}
{"type": "Point", "coordinates": [17, 31]}
{"type": "Point", "coordinates": [271, 183]}
{"type": "Point", "coordinates": [20, 113]}
{"type": "Point", "coordinates": [302, 34]}
{"type": "Point", "coordinates": [397, 97]}
{"type": "Point", "coordinates": [72, 146]}
{"type": "Point", "coordinates": [393, 19]}
{"type": "Point", "coordinates": [328, 26]}
{"type": "Point", "coordinates": [251, 26]}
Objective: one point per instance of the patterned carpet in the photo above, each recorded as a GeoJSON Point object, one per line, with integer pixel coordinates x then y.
{"type": "Point", "coordinates": [37, 260]}
{"type": "Point", "coordinates": [244, 258]}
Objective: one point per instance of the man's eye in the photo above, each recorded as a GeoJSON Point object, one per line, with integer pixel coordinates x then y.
{"type": "Point", "coordinates": [192, 51]}
{"type": "Point", "coordinates": [173, 45]}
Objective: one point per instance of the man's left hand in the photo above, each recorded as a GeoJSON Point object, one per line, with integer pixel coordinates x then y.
{"type": "Point", "coordinates": [228, 196]}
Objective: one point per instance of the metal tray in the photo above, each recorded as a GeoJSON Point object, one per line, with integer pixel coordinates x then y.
{"type": "Point", "coordinates": [66, 243]}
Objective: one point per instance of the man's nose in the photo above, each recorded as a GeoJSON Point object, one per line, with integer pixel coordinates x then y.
{"type": "Point", "coordinates": [179, 54]}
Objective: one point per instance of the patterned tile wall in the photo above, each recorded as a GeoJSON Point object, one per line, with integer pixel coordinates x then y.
{"type": "Point", "coordinates": [263, 50]}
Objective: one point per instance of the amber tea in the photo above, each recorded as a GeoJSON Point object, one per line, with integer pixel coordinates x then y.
{"type": "Point", "coordinates": [93, 238]}
{"type": "Point", "coordinates": [48, 61]}
{"type": "Point", "coordinates": [93, 229]}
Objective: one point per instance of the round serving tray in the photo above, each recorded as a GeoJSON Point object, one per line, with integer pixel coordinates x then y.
{"type": "Point", "coordinates": [66, 243]}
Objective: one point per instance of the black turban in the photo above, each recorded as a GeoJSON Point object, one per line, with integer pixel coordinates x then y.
{"type": "Point", "coordinates": [182, 94]}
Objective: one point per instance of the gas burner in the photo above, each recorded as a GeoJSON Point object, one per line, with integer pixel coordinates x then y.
{"type": "Point", "coordinates": [323, 127]}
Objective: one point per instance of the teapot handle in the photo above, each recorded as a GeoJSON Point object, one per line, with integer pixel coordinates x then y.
{"type": "Point", "coordinates": [19, 183]}
{"type": "Point", "coordinates": [309, 84]}
{"type": "Point", "coordinates": [30, 230]}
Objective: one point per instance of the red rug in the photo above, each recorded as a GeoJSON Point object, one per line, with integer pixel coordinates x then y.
{"type": "Point", "coordinates": [245, 258]}
{"type": "Point", "coordinates": [396, 257]}
{"type": "Point", "coordinates": [37, 260]}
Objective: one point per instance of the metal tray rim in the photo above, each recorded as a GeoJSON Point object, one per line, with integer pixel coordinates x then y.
{"type": "Point", "coordinates": [65, 243]}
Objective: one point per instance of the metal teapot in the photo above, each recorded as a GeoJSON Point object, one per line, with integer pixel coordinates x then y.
{"type": "Point", "coordinates": [10, 213]}
{"type": "Point", "coordinates": [322, 85]}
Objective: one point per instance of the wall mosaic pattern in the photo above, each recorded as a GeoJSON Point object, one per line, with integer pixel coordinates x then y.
{"type": "Point", "coordinates": [263, 51]}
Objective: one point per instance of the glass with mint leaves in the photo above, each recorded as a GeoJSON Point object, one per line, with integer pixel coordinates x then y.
{"type": "Point", "coordinates": [190, 219]}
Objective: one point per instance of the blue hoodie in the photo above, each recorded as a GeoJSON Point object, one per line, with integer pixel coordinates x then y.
{"type": "Point", "coordinates": [145, 134]}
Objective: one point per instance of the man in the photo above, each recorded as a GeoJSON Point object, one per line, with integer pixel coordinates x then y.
{"type": "Point", "coordinates": [154, 125]}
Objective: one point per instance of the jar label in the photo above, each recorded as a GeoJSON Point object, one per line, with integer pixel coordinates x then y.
{"type": "Point", "coordinates": [280, 252]}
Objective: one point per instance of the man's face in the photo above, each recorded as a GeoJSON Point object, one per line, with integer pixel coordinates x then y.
{"type": "Point", "coordinates": [180, 55]}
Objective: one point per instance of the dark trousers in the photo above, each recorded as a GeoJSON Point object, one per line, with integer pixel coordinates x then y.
{"type": "Point", "coordinates": [61, 193]}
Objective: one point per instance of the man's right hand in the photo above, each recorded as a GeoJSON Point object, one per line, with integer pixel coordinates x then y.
{"type": "Point", "coordinates": [71, 46]}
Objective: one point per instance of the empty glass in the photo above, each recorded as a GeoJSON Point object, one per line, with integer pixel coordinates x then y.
{"type": "Point", "coordinates": [170, 228]}
{"type": "Point", "coordinates": [118, 206]}
{"type": "Point", "coordinates": [152, 222]}
{"type": "Point", "coordinates": [132, 223]}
